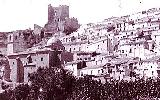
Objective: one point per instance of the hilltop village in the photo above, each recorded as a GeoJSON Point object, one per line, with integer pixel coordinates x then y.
{"type": "Point", "coordinates": [125, 47]}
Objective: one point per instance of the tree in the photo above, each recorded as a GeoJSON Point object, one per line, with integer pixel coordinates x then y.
{"type": "Point", "coordinates": [22, 92]}
{"type": "Point", "coordinates": [51, 83]}
{"type": "Point", "coordinates": [71, 25]}
{"type": "Point", "coordinates": [110, 27]}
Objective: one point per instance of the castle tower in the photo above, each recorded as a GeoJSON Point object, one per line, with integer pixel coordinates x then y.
{"type": "Point", "coordinates": [57, 14]}
{"type": "Point", "coordinates": [56, 18]}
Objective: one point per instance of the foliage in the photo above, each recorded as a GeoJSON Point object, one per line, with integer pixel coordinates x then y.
{"type": "Point", "coordinates": [95, 54]}
{"type": "Point", "coordinates": [146, 45]}
{"type": "Point", "coordinates": [71, 25]}
{"type": "Point", "coordinates": [110, 27]}
{"type": "Point", "coordinates": [59, 84]}
{"type": "Point", "coordinates": [56, 83]}
{"type": "Point", "coordinates": [148, 37]}
{"type": "Point", "coordinates": [4, 86]}
{"type": "Point", "coordinates": [22, 91]}
{"type": "Point", "coordinates": [140, 34]}
{"type": "Point", "coordinates": [7, 95]}
{"type": "Point", "coordinates": [131, 22]}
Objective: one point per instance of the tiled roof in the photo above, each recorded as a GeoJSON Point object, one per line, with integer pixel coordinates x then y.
{"type": "Point", "coordinates": [155, 58]}
{"type": "Point", "coordinates": [73, 62]}
{"type": "Point", "coordinates": [93, 67]}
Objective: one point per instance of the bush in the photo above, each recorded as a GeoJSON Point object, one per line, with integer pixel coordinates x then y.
{"type": "Point", "coordinates": [71, 25]}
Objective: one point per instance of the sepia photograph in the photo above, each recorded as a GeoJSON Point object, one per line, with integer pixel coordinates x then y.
{"type": "Point", "coordinates": [79, 49]}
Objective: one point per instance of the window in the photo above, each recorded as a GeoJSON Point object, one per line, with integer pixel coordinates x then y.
{"type": "Point", "coordinates": [42, 59]}
{"type": "Point", "coordinates": [81, 73]}
{"type": "Point", "coordinates": [135, 67]}
{"type": "Point", "coordinates": [10, 37]}
{"type": "Point", "coordinates": [98, 46]}
{"type": "Point", "coordinates": [152, 72]}
{"type": "Point", "coordinates": [120, 25]}
{"type": "Point", "coordinates": [130, 51]}
{"type": "Point", "coordinates": [122, 51]}
{"type": "Point", "coordinates": [109, 70]}
{"type": "Point", "coordinates": [16, 37]}
{"type": "Point", "coordinates": [117, 26]}
{"type": "Point", "coordinates": [98, 71]}
{"type": "Point", "coordinates": [91, 72]}
{"type": "Point", "coordinates": [94, 59]}
{"type": "Point", "coordinates": [151, 66]}
{"type": "Point", "coordinates": [29, 59]}
{"type": "Point", "coordinates": [55, 13]}
{"type": "Point", "coordinates": [103, 41]}
{"type": "Point", "coordinates": [13, 63]}
{"type": "Point", "coordinates": [58, 19]}
{"type": "Point", "coordinates": [102, 70]}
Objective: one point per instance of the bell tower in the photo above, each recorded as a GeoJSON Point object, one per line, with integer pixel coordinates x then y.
{"type": "Point", "coordinates": [10, 43]}
{"type": "Point", "coordinates": [16, 42]}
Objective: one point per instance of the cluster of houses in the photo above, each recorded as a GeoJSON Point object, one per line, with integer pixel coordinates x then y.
{"type": "Point", "coordinates": [118, 48]}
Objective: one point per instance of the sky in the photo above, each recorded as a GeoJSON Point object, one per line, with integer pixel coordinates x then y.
{"type": "Point", "coordinates": [23, 14]}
